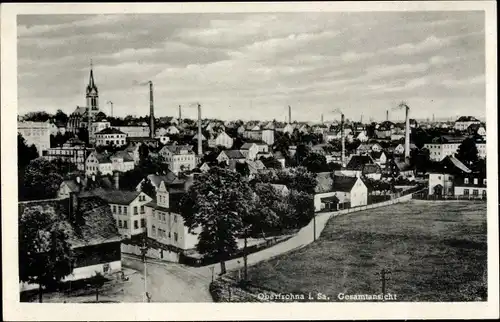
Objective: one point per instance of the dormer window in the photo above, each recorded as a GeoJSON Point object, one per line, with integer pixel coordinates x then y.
{"type": "Point", "coordinates": [466, 180]}
{"type": "Point", "coordinates": [475, 180]}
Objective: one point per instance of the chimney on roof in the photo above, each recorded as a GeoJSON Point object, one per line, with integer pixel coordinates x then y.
{"type": "Point", "coordinates": [116, 180]}
{"type": "Point", "coordinates": [73, 205]}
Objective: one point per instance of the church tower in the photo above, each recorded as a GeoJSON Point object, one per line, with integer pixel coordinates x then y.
{"type": "Point", "coordinates": [92, 94]}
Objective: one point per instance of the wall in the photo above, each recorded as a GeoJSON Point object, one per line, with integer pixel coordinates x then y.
{"type": "Point", "coordinates": [359, 194]}
{"type": "Point", "coordinates": [343, 197]}
{"type": "Point", "coordinates": [164, 255]}
{"type": "Point", "coordinates": [446, 180]}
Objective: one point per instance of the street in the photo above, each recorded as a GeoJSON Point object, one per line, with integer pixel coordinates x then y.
{"type": "Point", "coordinates": [168, 282]}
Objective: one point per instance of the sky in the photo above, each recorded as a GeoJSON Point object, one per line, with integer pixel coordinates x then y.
{"type": "Point", "coordinates": [252, 66]}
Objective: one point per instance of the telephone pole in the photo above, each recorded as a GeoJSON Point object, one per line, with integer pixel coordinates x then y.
{"type": "Point", "coordinates": [384, 278]}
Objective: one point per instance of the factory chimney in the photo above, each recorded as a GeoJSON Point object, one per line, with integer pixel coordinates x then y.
{"type": "Point", "coordinates": [199, 132]}
{"type": "Point", "coordinates": [407, 133]}
{"type": "Point", "coordinates": [322, 122]}
{"type": "Point", "coordinates": [151, 112]}
{"type": "Point", "coordinates": [343, 139]}
{"type": "Point", "coordinates": [180, 114]}
{"type": "Point", "coordinates": [289, 114]}
{"type": "Point", "coordinates": [387, 115]}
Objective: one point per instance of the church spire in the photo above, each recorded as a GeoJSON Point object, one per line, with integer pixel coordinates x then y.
{"type": "Point", "coordinates": [91, 85]}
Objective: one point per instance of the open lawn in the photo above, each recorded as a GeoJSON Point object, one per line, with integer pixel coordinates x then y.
{"type": "Point", "coordinates": [436, 251]}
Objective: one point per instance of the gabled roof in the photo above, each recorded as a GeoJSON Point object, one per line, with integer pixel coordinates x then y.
{"type": "Point", "coordinates": [467, 119]}
{"type": "Point", "coordinates": [358, 161]}
{"type": "Point", "coordinates": [121, 197]}
{"type": "Point", "coordinates": [176, 149]}
{"type": "Point", "coordinates": [255, 166]}
{"type": "Point", "coordinates": [124, 155]}
{"type": "Point", "coordinates": [328, 182]}
{"type": "Point", "coordinates": [376, 155]}
{"type": "Point", "coordinates": [80, 110]}
{"type": "Point", "coordinates": [96, 227]}
{"type": "Point", "coordinates": [233, 154]}
{"type": "Point", "coordinates": [246, 146]}
{"type": "Point", "coordinates": [110, 130]}
{"type": "Point", "coordinates": [155, 179]}
{"type": "Point", "coordinates": [102, 157]}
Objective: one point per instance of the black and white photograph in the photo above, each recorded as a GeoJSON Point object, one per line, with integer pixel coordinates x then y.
{"type": "Point", "coordinates": [283, 156]}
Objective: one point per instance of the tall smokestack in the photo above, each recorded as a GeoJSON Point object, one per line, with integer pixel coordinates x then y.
{"type": "Point", "coordinates": [322, 119]}
{"type": "Point", "coordinates": [289, 114]}
{"type": "Point", "coordinates": [199, 131]}
{"type": "Point", "coordinates": [361, 121]}
{"type": "Point", "coordinates": [407, 133]}
{"type": "Point", "coordinates": [387, 115]}
{"type": "Point", "coordinates": [342, 139]}
{"type": "Point", "coordinates": [151, 112]}
{"type": "Point", "coordinates": [180, 114]}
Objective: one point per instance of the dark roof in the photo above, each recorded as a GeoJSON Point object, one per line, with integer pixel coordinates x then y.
{"type": "Point", "coordinates": [169, 178]}
{"type": "Point", "coordinates": [154, 205]}
{"type": "Point", "coordinates": [376, 155]}
{"type": "Point", "coordinates": [141, 139]}
{"type": "Point", "coordinates": [371, 168]}
{"type": "Point", "coordinates": [102, 157]}
{"type": "Point", "coordinates": [247, 146]}
{"type": "Point", "coordinates": [234, 154]}
{"type": "Point", "coordinates": [176, 149]}
{"type": "Point", "coordinates": [328, 182]}
{"type": "Point", "coordinates": [333, 199]}
{"type": "Point", "coordinates": [96, 227]}
{"type": "Point", "coordinates": [120, 197]}
{"type": "Point", "coordinates": [467, 119]}
{"type": "Point", "coordinates": [110, 130]}
{"type": "Point", "coordinates": [278, 155]}
{"type": "Point", "coordinates": [358, 161]}
{"type": "Point", "coordinates": [124, 155]}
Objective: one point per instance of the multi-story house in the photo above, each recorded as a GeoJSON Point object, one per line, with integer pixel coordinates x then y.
{"type": "Point", "coordinates": [36, 133]}
{"type": "Point", "coordinates": [470, 184]}
{"type": "Point", "coordinates": [97, 126]}
{"type": "Point", "coordinates": [230, 155]}
{"type": "Point", "coordinates": [110, 136]}
{"type": "Point", "coordinates": [265, 135]}
{"type": "Point", "coordinates": [73, 151]}
{"type": "Point", "coordinates": [463, 122]}
{"type": "Point", "coordinates": [249, 150]}
{"type": "Point", "coordinates": [106, 163]}
{"type": "Point", "coordinates": [178, 157]}
{"type": "Point", "coordinates": [128, 209]}
{"type": "Point", "coordinates": [222, 139]}
{"type": "Point", "coordinates": [166, 225]}
{"type": "Point", "coordinates": [134, 131]}
{"type": "Point", "coordinates": [442, 179]}
{"type": "Point", "coordinates": [443, 146]}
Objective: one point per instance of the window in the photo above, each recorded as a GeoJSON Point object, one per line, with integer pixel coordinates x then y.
{"type": "Point", "coordinates": [475, 180]}
{"type": "Point", "coordinates": [466, 192]}
{"type": "Point", "coordinates": [475, 192]}
{"type": "Point", "coordinates": [125, 210]}
{"type": "Point", "coordinates": [125, 224]}
{"type": "Point", "coordinates": [439, 177]}
{"type": "Point", "coordinates": [169, 235]}
{"type": "Point", "coordinates": [175, 236]}
{"type": "Point", "coordinates": [114, 209]}
{"type": "Point", "coordinates": [484, 193]}
{"type": "Point", "coordinates": [450, 178]}
{"type": "Point", "coordinates": [119, 224]}
{"type": "Point", "coordinates": [142, 209]}
{"type": "Point", "coordinates": [154, 214]}
{"type": "Point", "coordinates": [175, 218]}
{"type": "Point", "coordinates": [119, 210]}
{"type": "Point", "coordinates": [466, 180]}
{"type": "Point", "coordinates": [136, 224]}
{"type": "Point", "coordinates": [143, 223]}
{"type": "Point", "coordinates": [163, 217]}
{"type": "Point", "coordinates": [135, 210]}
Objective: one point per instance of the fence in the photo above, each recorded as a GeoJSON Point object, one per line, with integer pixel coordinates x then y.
{"type": "Point", "coordinates": [425, 196]}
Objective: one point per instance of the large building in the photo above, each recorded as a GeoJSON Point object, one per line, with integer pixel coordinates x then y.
{"type": "Point", "coordinates": [442, 179]}
{"type": "Point", "coordinates": [443, 146]}
{"type": "Point", "coordinates": [110, 136]}
{"type": "Point", "coordinates": [463, 122]}
{"type": "Point", "coordinates": [165, 225]}
{"type": "Point", "coordinates": [36, 133]}
{"type": "Point", "coordinates": [106, 163]}
{"type": "Point", "coordinates": [265, 135]}
{"type": "Point", "coordinates": [141, 131]}
{"type": "Point", "coordinates": [80, 117]}
{"type": "Point", "coordinates": [178, 157]}
{"type": "Point", "coordinates": [73, 151]}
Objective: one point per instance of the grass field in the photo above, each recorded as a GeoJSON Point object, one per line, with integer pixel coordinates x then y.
{"type": "Point", "coordinates": [436, 251]}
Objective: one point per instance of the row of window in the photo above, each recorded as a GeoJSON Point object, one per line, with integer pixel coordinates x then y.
{"type": "Point", "coordinates": [475, 192]}
{"type": "Point", "coordinates": [123, 210]}
{"type": "Point", "coordinates": [163, 234]}
{"type": "Point", "coordinates": [108, 142]}
{"type": "Point", "coordinates": [476, 181]}
{"type": "Point", "coordinates": [124, 223]}
{"type": "Point", "coordinates": [162, 216]}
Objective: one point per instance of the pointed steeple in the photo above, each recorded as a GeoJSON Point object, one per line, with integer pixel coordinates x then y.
{"type": "Point", "coordinates": [91, 87]}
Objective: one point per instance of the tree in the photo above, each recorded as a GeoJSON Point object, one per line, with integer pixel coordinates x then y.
{"type": "Point", "coordinates": [242, 168]}
{"type": "Point", "coordinates": [45, 256]}
{"type": "Point", "coordinates": [37, 116]}
{"type": "Point", "coordinates": [271, 209]}
{"type": "Point", "coordinates": [148, 188]}
{"type": "Point", "coordinates": [302, 209]}
{"type": "Point", "coordinates": [467, 152]}
{"type": "Point", "coordinates": [303, 180]}
{"type": "Point", "coordinates": [315, 163]}
{"type": "Point", "coordinates": [41, 179]}
{"type": "Point", "coordinates": [143, 152]}
{"type": "Point", "coordinates": [303, 151]}
{"type": "Point", "coordinates": [271, 162]}
{"type": "Point", "coordinates": [61, 117]}
{"type": "Point", "coordinates": [83, 135]}
{"type": "Point", "coordinates": [25, 153]}
{"type": "Point", "coordinates": [217, 203]}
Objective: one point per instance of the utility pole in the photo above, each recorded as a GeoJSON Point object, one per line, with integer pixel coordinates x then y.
{"type": "Point", "coordinates": [314, 227]}
{"type": "Point", "coordinates": [144, 250]}
{"type": "Point", "coordinates": [384, 278]}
